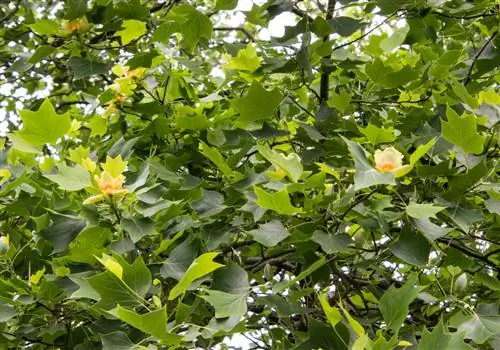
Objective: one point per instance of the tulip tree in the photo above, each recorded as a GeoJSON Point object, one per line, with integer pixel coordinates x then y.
{"type": "Point", "coordinates": [172, 180]}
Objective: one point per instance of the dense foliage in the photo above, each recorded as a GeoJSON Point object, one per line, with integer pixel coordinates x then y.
{"type": "Point", "coordinates": [168, 180]}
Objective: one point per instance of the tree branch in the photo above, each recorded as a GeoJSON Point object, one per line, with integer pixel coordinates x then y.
{"type": "Point", "coordinates": [469, 252]}
{"type": "Point", "coordinates": [324, 84]}
{"type": "Point", "coordinates": [467, 79]}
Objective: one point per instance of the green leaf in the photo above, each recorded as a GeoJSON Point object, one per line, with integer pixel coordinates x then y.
{"type": "Point", "coordinates": [227, 304]}
{"type": "Point", "coordinates": [430, 230]}
{"type": "Point", "coordinates": [321, 336]}
{"type": "Point", "coordinates": [132, 29]}
{"type": "Point", "coordinates": [83, 67]}
{"type": "Point", "coordinates": [340, 101]}
{"type": "Point", "coordinates": [278, 201]}
{"type": "Point", "coordinates": [396, 39]}
{"type": "Point", "coordinates": [192, 122]}
{"type": "Point", "coordinates": [331, 243]}
{"type": "Point", "coordinates": [75, 9]}
{"type": "Point", "coordinates": [345, 26]}
{"type": "Point", "coordinates": [90, 242]}
{"type": "Point", "coordinates": [366, 175]}
{"type": "Point", "coordinates": [71, 178]}
{"type": "Point", "coordinates": [425, 210]}
{"type": "Point", "coordinates": [112, 291]}
{"type": "Point", "coordinates": [441, 339]}
{"type": "Point", "coordinates": [193, 24]}
{"type": "Point", "coordinates": [22, 145]}
{"type": "Point", "coordinates": [412, 247]}
{"type": "Point", "coordinates": [226, 4]}
{"type": "Point", "coordinates": [421, 151]}
{"type": "Point", "coordinates": [479, 326]}
{"type": "Point", "coordinates": [7, 311]}
{"type": "Point", "coordinates": [202, 266]}
{"type": "Point", "coordinates": [214, 155]}
{"type": "Point", "coordinates": [291, 163]}
{"type": "Point", "coordinates": [62, 232]}
{"type": "Point", "coordinates": [270, 234]}
{"type": "Point", "coordinates": [45, 27]}
{"type": "Point", "coordinates": [118, 341]}
{"type": "Point", "coordinates": [460, 90]}
{"type": "Point", "coordinates": [44, 125]}
{"type": "Point", "coordinates": [251, 107]}
{"type": "Point", "coordinates": [377, 135]}
{"type": "Point", "coordinates": [153, 323]}
{"type": "Point", "coordinates": [180, 259]}
{"type": "Point", "coordinates": [394, 303]}
{"type": "Point", "coordinates": [461, 183]}
{"type": "Point", "coordinates": [212, 203]}
{"type": "Point", "coordinates": [493, 205]}
{"type": "Point", "coordinates": [462, 131]}
{"type": "Point", "coordinates": [42, 52]}
{"type": "Point", "coordinates": [138, 228]}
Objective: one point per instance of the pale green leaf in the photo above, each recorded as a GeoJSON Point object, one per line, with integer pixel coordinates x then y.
{"type": "Point", "coordinates": [270, 234]}
{"type": "Point", "coordinates": [291, 163]}
{"type": "Point", "coordinates": [462, 131]}
{"type": "Point", "coordinates": [44, 125]}
{"type": "Point", "coordinates": [226, 304]}
{"type": "Point", "coordinates": [258, 103]}
{"type": "Point", "coordinates": [422, 210]}
{"type": "Point", "coordinates": [396, 39]}
{"type": "Point", "coordinates": [278, 201]}
{"type": "Point", "coordinates": [71, 178]}
{"type": "Point", "coordinates": [132, 30]}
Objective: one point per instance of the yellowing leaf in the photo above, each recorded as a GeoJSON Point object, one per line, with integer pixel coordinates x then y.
{"type": "Point", "coordinates": [35, 279]}
{"type": "Point", "coordinates": [246, 59]}
{"type": "Point", "coordinates": [111, 265]}
{"type": "Point", "coordinates": [202, 266]}
{"type": "Point", "coordinates": [290, 164]}
{"type": "Point", "coordinates": [360, 331]}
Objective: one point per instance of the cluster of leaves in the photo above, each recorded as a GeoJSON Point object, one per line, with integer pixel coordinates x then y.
{"type": "Point", "coordinates": [229, 180]}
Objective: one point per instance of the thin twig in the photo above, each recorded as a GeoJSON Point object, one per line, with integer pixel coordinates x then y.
{"type": "Point", "coordinates": [484, 14]}
{"type": "Point", "coordinates": [365, 34]}
{"type": "Point", "coordinates": [239, 29]}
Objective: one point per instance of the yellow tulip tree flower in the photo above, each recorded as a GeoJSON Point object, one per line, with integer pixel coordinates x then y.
{"type": "Point", "coordinates": [78, 25]}
{"type": "Point", "coordinates": [110, 182]}
{"type": "Point", "coordinates": [388, 160]}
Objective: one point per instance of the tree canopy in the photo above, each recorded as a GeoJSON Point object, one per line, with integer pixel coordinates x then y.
{"type": "Point", "coordinates": [170, 179]}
